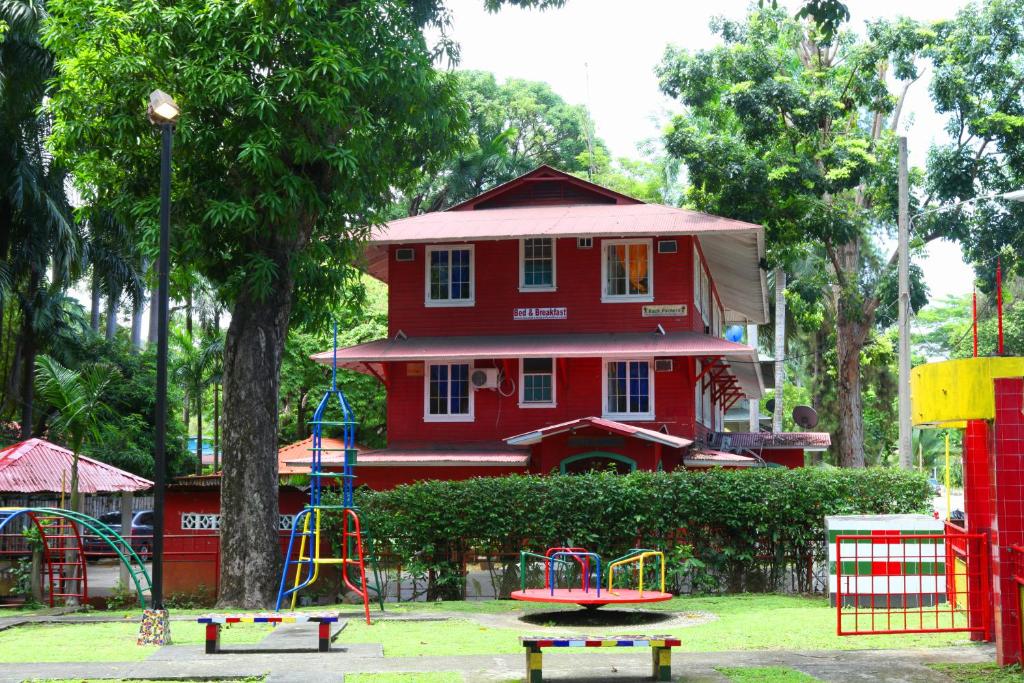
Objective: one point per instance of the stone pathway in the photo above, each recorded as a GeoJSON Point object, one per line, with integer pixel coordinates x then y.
{"type": "Point", "coordinates": [188, 661]}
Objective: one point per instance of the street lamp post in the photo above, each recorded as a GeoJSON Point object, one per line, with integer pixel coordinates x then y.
{"type": "Point", "coordinates": [163, 113]}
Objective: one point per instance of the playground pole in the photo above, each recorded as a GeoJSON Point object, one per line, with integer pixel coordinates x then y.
{"type": "Point", "coordinates": [949, 506]}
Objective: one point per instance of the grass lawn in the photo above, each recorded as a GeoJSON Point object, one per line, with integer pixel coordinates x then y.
{"type": "Point", "coordinates": [745, 622]}
{"type": "Point", "coordinates": [765, 674]}
{"type": "Point", "coordinates": [105, 642]}
{"type": "Point", "coordinates": [980, 673]}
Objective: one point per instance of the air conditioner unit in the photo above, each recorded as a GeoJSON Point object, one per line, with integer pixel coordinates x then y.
{"type": "Point", "coordinates": [663, 365]}
{"type": "Point", "coordinates": [484, 378]}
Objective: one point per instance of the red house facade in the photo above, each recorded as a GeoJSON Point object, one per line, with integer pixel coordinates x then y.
{"type": "Point", "coordinates": [557, 319]}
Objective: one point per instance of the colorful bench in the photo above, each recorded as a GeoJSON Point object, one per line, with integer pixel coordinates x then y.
{"type": "Point", "coordinates": [661, 651]}
{"type": "Point", "coordinates": [214, 623]}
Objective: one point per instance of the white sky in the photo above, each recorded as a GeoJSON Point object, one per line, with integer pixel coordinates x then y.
{"type": "Point", "coordinates": [618, 43]}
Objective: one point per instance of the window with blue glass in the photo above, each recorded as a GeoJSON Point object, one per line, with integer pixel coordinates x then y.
{"type": "Point", "coordinates": [448, 394]}
{"type": "Point", "coordinates": [537, 264]}
{"type": "Point", "coordinates": [629, 389]}
{"type": "Point", "coordinates": [537, 382]}
{"type": "Point", "coordinates": [450, 276]}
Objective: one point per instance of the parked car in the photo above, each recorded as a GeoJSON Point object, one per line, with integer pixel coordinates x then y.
{"type": "Point", "coordinates": [936, 486]}
{"type": "Point", "coordinates": [140, 536]}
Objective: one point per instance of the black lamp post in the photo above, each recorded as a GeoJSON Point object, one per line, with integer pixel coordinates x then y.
{"type": "Point", "coordinates": [163, 112]}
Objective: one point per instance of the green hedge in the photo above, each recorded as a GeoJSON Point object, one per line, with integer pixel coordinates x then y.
{"type": "Point", "coordinates": [751, 529]}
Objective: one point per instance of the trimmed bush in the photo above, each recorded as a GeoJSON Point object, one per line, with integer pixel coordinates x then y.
{"type": "Point", "coordinates": [755, 529]}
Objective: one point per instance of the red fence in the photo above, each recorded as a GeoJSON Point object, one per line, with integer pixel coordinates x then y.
{"type": "Point", "coordinates": [909, 582]}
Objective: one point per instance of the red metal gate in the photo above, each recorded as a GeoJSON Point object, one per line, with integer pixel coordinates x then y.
{"type": "Point", "coordinates": [909, 582]}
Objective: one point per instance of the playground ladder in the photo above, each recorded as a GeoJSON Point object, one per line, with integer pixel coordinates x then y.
{"type": "Point", "coordinates": [65, 561]}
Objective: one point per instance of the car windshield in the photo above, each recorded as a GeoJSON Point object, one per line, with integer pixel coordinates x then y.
{"type": "Point", "coordinates": [111, 518]}
{"type": "Point", "coordinates": [144, 519]}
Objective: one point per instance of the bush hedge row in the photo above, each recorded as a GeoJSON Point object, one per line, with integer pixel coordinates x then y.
{"type": "Point", "coordinates": [750, 529]}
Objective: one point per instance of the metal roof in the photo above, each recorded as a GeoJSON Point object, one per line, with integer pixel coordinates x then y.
{"type": "Point", "coordinates": [36, 465]}
{"type": "Point", "coordinates": [733, 249]}
{"type": "Point", "coordinates": [742, 359]}
{"type": "Point", "coordinates": [712, 458]}
{"type": "Point", "coordinates": [536, 436]}
{"type": "Point", "coordinates": [809, 441]}
{"type": "Point", "coordinates": [295, 458]}
{"type": "Point", "coordinates": [439, 455]}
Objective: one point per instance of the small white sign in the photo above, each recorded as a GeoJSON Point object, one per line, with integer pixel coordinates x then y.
{"type": "Point", "coordinates": [664, 310]}
{"type": "Point", "coordinates": [547, 313]}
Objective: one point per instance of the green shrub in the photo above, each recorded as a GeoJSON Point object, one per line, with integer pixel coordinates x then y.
{"type": "Point", "coordinates": [750, 529]}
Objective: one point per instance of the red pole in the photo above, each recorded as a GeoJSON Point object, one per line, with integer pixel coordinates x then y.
{"type": "Point", "coordinates": [999, 300]}
{"type": "Point", "coordinates": [974, 319]}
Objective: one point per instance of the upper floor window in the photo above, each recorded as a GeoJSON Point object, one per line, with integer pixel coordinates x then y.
{"type": "Point", "coordinates": [628, 390]}
{"type": "Point", "coordinates": [446, 393]}
{"type": "Point", "coordinates": [537, 382]}
{"type": "Point", "coordinates": [450, 276]}
{"type": "Point", "coordinates": [537, 264]}
{"type": "Point", "coordinates": [626, 270]}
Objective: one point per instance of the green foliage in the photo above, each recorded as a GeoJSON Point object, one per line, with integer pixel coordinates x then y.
{"type": "Point", "coordinates": [747, 527]}
{"type": "Point", "coordinates": [513, 127]}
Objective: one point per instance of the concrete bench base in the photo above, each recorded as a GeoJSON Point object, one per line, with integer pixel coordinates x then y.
{"type": "Point", "coordinates": [215, 622]}
{"type": "Point", "coordinates": [661, 651]}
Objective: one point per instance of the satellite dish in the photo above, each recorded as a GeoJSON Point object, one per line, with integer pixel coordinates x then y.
{"type": "Point", "coordinates": [734, 333]}
{"type": "Point", "coordinates": [805, 416]}
{"type": "Point", "coordinates": [769, 405]}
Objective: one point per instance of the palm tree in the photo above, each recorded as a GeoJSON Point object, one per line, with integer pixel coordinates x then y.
{"type": "Point", "coordinates": [195, 369]}
{"type": "Point", "coordinates": [76, 397]}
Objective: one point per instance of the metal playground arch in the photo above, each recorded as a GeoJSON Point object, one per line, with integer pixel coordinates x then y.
{"type": "Point", "coordinates": [67, 539]}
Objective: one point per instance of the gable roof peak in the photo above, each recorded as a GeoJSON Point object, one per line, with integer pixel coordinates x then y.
{"type": "Point", "coordinates": [541, 173]}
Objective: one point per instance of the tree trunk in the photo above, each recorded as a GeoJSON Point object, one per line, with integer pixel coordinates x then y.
{"type": "Point", "coordinates": [94, 311]}
{"type": "Point", "coordinates": [780, 347]}
{"type": "Point", "coordinates": [300, 416]}
{"type": "Point", "coordinates": [138, 308]}
{"type": "Point", "coordinates": [151, 337]}
{"type": "Point", "coordinates": [216, 427]}
{"type": "Point", "coordinates": [850, 335]}
{"type": "Point", "coordinates": [199, 433]}
{"type": "Point", "coordinates": [28, 364]}
{"type": "Point", "coordinates": [112, 316]}
{"type": "Point", "coordinates": [250, 556]}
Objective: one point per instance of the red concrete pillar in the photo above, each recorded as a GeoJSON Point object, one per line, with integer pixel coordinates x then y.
{"type": "Point", "coordinates": [978, 509]}
{"type": "Point", "coordinates": [1007, 472]}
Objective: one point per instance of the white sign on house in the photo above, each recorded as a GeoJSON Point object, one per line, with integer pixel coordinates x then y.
{"type": "Point", "coordinates": [544, 313]}
{"type": "Point", "coordinates": [664, 310]}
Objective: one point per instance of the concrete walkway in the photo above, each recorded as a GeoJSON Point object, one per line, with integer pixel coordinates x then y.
{"type": "Point", "coordinates": [188, 661]}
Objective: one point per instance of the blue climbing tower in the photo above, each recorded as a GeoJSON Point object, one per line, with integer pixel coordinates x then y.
{"type": "Point", "coordinates": [304, 566]}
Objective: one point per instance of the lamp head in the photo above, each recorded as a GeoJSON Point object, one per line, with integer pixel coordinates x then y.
{"type": "Point", "coordinates": [162, 108]}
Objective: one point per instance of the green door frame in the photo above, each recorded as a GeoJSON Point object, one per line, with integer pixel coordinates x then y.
{"type": "Point", "coordinates": [597, 454]}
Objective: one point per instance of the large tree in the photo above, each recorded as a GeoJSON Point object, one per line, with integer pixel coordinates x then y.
{"type": "Point", "coordinates": [299, 121]}
{"type": "Point", "coordinates": [792, 126]}
{"type": "Point", "coordinates": [512, 128]}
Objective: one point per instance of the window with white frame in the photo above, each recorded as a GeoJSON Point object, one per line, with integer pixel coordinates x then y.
{"type": "Point", "coordinates": [626, 270]}
{"type": "Point", "coordinates": [537, 382]}
{"type": "Point", "coordinates": [628, 389]}
{"type": "Point", "coordinates": [705, 294]}
{"type": "Point", "coordinates": [537, 264]}
{"type": "Point", "coordinates": [447, 395]}
{"type": "Point", "coordinates": [450, 276]}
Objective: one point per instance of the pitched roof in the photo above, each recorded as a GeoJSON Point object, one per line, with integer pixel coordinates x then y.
{"type": "Point", "coordinates": [294, 458]}
{"type": "Point", "coordinates": [439, 455]}
{"type": "Point", "coordinates": [538, 435]}
{"type": "Point", "coordinates": [734, 249]}
{"type": "Point", "coordinates": [742, 359]}
{"type": "Point", "coordinates": [809, 441]}
{"type": "Point", "coordinates": [545, 174]}
{"type": "Point", "coordinates": [712, 458]}
{"type": "Point", "coordinates": [36, 465]}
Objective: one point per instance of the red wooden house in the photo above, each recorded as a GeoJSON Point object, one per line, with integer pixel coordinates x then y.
{"type": "Point", "coordinates": [557, 319]}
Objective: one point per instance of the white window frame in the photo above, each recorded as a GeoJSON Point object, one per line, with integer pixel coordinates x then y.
{"type": "Point", "coordinates": [523, 287]}
{"type": "Point", "coordinates": [554, 386]}
{"type": "Point", "coordinates": [698, 397]}
{"type": "Point", "coordinates": [630, 417]}
{"type": "Point", "coordinates": [427, 417]}
{"type": "Point", "coordinates": [438, 303]}
{"type": "Point", "coordinates": [624, 298]}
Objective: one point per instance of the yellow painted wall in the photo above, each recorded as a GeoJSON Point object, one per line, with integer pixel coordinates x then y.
{"type": "Point", "coordinates": [947, 393]}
